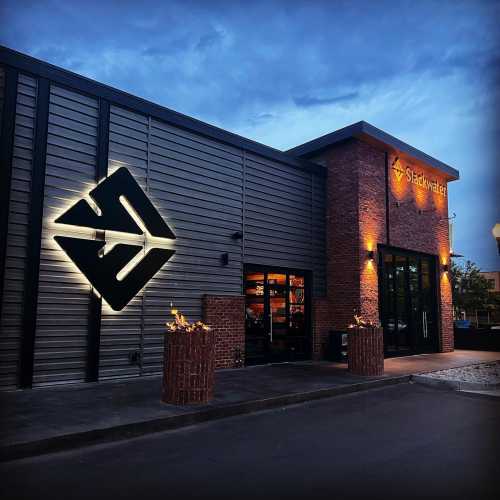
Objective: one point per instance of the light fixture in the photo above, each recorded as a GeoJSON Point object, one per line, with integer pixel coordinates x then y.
{"type": "Point", "coordinates": [237, 235]}
{"type": "Point", "coordinates": [445, 268]}
{"type": "Point", "coordinates": [224, 259]}
{"type": "Point", "coordinates": [496, 234]}
{"type": "Point", "coordinates": [370, 254]}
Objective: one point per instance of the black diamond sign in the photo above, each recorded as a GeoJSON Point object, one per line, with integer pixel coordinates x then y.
{"type": "Point", "coordinates": [102, 270]}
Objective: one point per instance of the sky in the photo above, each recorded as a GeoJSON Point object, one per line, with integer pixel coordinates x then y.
{"type": "Point", "coordinates": [285, 72]}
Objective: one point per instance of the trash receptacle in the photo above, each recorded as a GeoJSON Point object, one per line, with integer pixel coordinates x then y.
{"type": "Point", "coordinates": [337, 346]}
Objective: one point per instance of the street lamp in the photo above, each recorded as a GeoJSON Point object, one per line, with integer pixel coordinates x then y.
{"type": "Point", "coordinates": [496, 235]}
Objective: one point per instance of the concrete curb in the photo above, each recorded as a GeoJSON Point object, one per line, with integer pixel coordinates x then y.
{"type": "Point", "coordinates": [454, 385]}
{"type": "Point", "coordinates": [127, 431]}
{"type": "Point", "coordinates": [491, 395]}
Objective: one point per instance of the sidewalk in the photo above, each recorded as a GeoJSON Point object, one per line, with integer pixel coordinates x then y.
{"type": "Point", "coordinates": [51, 419]}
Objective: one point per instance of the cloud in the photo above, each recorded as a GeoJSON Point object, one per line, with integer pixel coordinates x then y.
{"type": "Point", "coordinates": [210, 39]}
{"type": "Point", "coordinates": [308, 102]}
{"type": "Point", "coordinates": [426, 72]}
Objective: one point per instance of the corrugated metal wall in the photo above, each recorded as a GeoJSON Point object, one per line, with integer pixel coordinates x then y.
{"type": "Point", "coordinates": [284, 218]}
{"type": "Point", "coordinates": [121, 333]}
{"type": "Point", "coordinates": [17, 231]}
{"type": "Point", "coordinates": [2, 91]}
{"type": "Point", "coordinates": [64, 296]}
{"type": "Point", "coordinates": [198, 186]}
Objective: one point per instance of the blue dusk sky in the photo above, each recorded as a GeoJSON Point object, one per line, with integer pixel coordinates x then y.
{"type": "Point", "coordinates": [283, 73]}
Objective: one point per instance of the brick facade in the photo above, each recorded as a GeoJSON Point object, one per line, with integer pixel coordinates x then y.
{"type": "Point", "coordinates": [226, 316]}
{"type": "Point", "coordinates": [321, 325]}
{"type": "Point", "coordinates": [356, 224]}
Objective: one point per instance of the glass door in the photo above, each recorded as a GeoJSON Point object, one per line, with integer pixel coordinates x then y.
{"type": "Point", "coordinates": [277, 288]}
{"type": "Point", "coordinates": [427, 339]}
{"type": "Point", "coordinates": [408, 303]}
{"type": "Point", "coordinates": [256, 325]}
{"type": "Point", "coordinates": [402, 329]}
{"type": "Point", "coordinates": [276, 316]}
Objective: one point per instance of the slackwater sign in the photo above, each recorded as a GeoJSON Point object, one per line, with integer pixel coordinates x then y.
{"type": "Point", "coordinates": [417, 178]}
{"type": "Point", "coordinates": [120, 206]}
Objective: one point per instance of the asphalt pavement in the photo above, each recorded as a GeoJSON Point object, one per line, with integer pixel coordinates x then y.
{"type": "Point", "coordinates": [405, 441]}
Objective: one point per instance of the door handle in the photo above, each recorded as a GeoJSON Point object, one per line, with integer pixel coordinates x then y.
{"type": "Point", "coordinates": [424, 323]}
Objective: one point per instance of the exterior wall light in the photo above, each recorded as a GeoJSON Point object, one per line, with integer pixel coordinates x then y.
{"type": "Point", "coordinates": [224, 259]}
{"type": "Point", "coordinates": [370, 255]}
{"type": "Point", "coordinates": [237, 235]}
{"type": "Point", "coordinates": [445, 268]}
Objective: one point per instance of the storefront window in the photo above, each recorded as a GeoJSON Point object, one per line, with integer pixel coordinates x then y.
{"type": "Point", "coordinates": [277, 297]}
{"type": "Point", "coordinates": [276, 316]}
{"type": "Point", "coordinates": [276, 279]}
{"type": "Point", "coordinates": [254, 310]}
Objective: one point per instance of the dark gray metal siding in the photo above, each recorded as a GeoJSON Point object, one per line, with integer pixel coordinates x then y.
{"type": "Point", "coordinates": [196, 184]}
{"type": "Point", "coordinates": [206, 190]}
{"type": "Point", "coordinates": [2, 90]}
{"type": "Point", "coordinates": [284, 221]}
{"type": "Point", "coordinates": [17, 231]}
{"type": "Point", "coordinates": [121, 332]}
{"type": "Point", "coordinates": [64, 295]}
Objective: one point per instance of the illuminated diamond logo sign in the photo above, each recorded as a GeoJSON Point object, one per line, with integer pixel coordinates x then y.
{"type": "Point", "coordinates": [121, 205]}
{"type": "Point", "coordinates": [398, 169]}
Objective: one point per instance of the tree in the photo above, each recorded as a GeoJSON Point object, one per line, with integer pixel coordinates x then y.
{"type": "Point", "coordinates": [470, 289]}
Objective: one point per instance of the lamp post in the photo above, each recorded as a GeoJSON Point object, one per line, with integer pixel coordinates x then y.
{"type": "Point", "coordinates": [496, 235]}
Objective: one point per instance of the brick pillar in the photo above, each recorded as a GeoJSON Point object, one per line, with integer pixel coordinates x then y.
{"type": "Point", "coordinates": [321, 325]}
{"type": "Point", "coordinates": [342, 235]}
{"type": "Point", "coordinates": [365, 351]}
{"type": "Point", "coordinates": [447, 334]}
{"type": "Point", "coordinates": [188, 368]}
{"type": "Point", "coordinates": [226, 316]}
{"type": "Point", "coordinates": [355, 225]}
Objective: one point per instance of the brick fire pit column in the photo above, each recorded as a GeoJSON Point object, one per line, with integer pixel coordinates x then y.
{"type": "Point", "coordinates": [365, 351]}
{"type": "Point", "coordinates": [189, 366]}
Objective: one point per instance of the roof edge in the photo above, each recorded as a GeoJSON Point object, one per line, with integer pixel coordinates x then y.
{"type": "Point", "coordinates": [61, 76]}
{"type": "Point", "coordinates": [364, 130]}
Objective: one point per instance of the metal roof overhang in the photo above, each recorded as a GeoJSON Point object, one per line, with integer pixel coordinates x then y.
{"type": "Point", "coordinates": [373, 135]}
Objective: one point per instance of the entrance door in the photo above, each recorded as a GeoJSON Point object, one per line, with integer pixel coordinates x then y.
{"type": "Point", "coordinates": [408, 302]}
{"type": "Point", "coordinates": [276, 322]}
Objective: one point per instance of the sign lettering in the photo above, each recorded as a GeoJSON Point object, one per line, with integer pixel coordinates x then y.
{"type": "Point", "coordinates": [419, 179]}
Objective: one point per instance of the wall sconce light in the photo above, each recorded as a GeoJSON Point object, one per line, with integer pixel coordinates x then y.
{"type": "Point", "coordinates": [370, 255]}
{"type": "Point", "coordinates": [224, 259]}
{"type": "Point", "coordinates": [237, 235]}
{"type": "Point", "coordinates": [445, 268]}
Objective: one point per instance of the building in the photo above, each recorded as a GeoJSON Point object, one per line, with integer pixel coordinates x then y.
{"type": "Point", "coordinates": [112, 208]}
{"type": "Point", "coordinates": [493, 278]}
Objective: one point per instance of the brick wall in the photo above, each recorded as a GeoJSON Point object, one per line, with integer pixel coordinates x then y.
{"type": "Point", "coordinates": [321, 325]}
{"type": "Point", "coordinates": [356, 224]}
{"type": "Point", "coordinates": [418, 221]}
{"type": "Point", "coordinates": [342, 226]}
{"type": "Point", "coordinates": [226, 315]}
{"type": "Point", "coordinates": [372, 224]}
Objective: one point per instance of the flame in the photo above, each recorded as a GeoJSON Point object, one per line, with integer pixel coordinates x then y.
{"type": "Point", "coordinates": [182, 325]}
